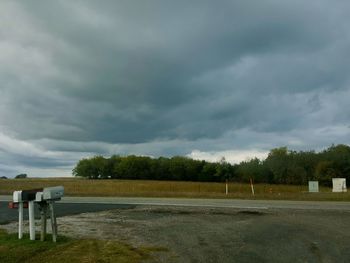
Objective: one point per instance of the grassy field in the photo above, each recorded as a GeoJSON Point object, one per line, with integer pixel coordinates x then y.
{"type": "Point", "coordinates": [83, 187]}
{"type": "Point", "coordinates": [73, 250]}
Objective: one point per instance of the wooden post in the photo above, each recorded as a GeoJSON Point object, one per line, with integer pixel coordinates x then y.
{"type": "Point", "coordinates": [43, 213]}
{"type": "Point", "coordinates": [31, 220]}
{"type": "Point", "coordinates": [53, 222]}
{"type": "Point", "coordinates": [20, 220]}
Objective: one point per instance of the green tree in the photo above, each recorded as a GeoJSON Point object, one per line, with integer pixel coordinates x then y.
{"type": "Point", "coordinates": [21, 176]}
{"type": "Point", "coordinates": [86, 168]}
{"type": "Point", "coordinates": [324, 172]}
{"type": "Point", "coordinates": [224, 170]}
{"type": "Point", "coordinates": [281, 166]}
{"type": "Point", "coordinates": [339, 155]}
{"type": "Point", "coordinates": [277, 162]}
{"type": "Point", "coordinates": [208, 172]}
{"type": "Point", "coordinates": [177, 168]}
{"type": "Point", "coordinates": [254, 169]}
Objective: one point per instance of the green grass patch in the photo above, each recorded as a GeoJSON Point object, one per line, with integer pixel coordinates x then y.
{"type": "Point", "coordinates": [70, 250]}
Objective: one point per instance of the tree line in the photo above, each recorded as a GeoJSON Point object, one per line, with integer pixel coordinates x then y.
{"type": "Point", "coordinates": [282, 166]}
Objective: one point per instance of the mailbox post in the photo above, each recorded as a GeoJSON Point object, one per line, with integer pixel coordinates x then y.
{"type": "Point", "coordinates": [29, 196]}
{"type": "Point", "coordinates": [20, 220]}
{"type": "Point", "coordinates": [46, 199]}
{"type": "Point", "coordinates": [17, 198]}
{"type": "Point", "coordinates": [31, 220]}
{"type": "Point", "coordinates": [43, 218]}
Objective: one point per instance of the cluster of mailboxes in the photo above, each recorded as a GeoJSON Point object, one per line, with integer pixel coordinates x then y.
{"type": "Point", "coordinates": [39, 195]}
{"type": "Point", "coordinates": [45, 198]}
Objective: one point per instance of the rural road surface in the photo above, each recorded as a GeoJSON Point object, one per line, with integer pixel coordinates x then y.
{"type": "Point", "coordinates": [76, 205]}
{"type": "Point", "coordinates": [215, 203]}
{"type": "Point", "coordinates": [62, 209]}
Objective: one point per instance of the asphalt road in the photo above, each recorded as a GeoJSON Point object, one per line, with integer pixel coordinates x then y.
{"type": "Point", "coordinates": [77, 205]}
{"type": "Point", "coordinates": [215, 203]}
{"type": "Point", "coordinates": [62, 209]}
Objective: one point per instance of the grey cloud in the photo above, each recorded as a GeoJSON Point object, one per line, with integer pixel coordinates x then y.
{"type": "Point", "coordinates": [165, 77]}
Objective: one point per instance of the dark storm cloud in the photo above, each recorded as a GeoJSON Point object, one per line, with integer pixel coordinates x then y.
{"type": "Point", "coordinates": [169, 77]}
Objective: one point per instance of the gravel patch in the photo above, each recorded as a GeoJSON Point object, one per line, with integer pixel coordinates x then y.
{"type": "Point", "coordinates": [219, 235]}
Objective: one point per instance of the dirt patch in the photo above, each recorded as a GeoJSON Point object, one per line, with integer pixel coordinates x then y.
{"type": "Point", "coordinates": [220, 235]}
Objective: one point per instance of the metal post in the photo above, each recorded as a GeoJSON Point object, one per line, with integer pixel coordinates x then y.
{"type": "Point", "coordinates": [20, 220]}
{"type": "Point", "coordinates": [31, 220]}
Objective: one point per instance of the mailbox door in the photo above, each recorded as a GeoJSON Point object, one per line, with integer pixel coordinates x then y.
{"type": "Point", "coordinates": [29, 195]}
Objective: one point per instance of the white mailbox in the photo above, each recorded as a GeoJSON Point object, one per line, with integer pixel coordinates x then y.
{"type": "Point", "coordinates": [39, 197]}
{"type": "Point", "coordinates": [17, 196]}
{"type": "Point", "coordinates": [53, 193]}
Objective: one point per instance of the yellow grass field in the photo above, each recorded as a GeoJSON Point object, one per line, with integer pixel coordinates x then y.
{"type": "Point", "coordinates": [84, 187]}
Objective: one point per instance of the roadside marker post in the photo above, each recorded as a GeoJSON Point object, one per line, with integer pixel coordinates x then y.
{"type": "Point", "coordinates": [252, 186]}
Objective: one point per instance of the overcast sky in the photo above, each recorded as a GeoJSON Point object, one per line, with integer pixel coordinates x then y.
{"type": "Point", "coordinates": [160, 78]}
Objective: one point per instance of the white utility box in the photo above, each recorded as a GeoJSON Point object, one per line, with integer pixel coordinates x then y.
{"type": "Point", "coordinates": [339, 185]}
{"type": "Point", "coordinates": [313, 186]}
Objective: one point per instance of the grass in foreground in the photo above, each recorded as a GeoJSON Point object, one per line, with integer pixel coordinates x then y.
{"type": "Point", "coordinates": [69, 250]}
{"type": "Point", "coordinates": [143, 188]}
